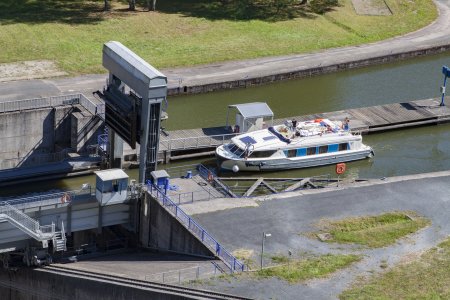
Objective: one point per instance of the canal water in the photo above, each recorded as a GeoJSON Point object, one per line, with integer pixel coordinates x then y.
{"type": "Point", "coordinates": [403, 152]}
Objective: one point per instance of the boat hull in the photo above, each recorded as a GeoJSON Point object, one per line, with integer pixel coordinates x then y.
{"type": "Point", "coordinates": [299, 163]}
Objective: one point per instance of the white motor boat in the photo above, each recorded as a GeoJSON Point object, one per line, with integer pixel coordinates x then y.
{"type": "Point", "coordinates": [293, 145]}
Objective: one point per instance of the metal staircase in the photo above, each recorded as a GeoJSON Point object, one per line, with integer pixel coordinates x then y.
{"type": "Point", "coordinates": [32, 227]}
{"type": "Point", "coordinates": [59, 240]}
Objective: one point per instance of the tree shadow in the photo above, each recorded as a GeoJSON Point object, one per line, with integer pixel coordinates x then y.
{"type": "Point", "coordinates": [234, 9]}
{"type": "Point", "coordinates": [51, 11]}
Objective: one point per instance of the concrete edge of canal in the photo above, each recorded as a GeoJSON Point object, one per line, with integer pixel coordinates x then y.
{"type": "Point", "coordinates": [205, 207]}
{"type": "Point", "coordinates": [301, 72]}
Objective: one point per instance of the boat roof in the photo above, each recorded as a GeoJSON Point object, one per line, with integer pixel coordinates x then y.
{"type": "Point", "coordinates": [253, 110]}
{"type": "Point", "coordinates": [266, 140]}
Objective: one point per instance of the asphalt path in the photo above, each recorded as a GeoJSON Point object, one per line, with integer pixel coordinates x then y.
{"type": "Point", "coordinates": [289, 219]}
{"type": "Point", "coordinates": [435, 34]}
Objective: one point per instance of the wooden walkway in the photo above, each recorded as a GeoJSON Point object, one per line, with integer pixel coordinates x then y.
{"type": "Point", "coordinates": [198, 142]}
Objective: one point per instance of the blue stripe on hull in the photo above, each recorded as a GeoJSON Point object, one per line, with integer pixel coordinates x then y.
{"type": "Point", "coordinates": [284, 164]}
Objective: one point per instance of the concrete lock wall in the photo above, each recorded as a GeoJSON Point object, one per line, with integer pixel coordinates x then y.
{"type": "Point", "coordinates": [160, 230]}
{"type": "Point", "coordinates": [33, 284]}
{"type": "Point", "coordinates": [84, 130]}
{"type": "Point", "coordinates": [302, 73]}
{"type": "Point", "coordinates": [33, 136]}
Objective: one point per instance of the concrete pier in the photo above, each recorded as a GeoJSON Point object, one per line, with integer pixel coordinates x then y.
{"type": "Point", "coordinates": [291, 217]}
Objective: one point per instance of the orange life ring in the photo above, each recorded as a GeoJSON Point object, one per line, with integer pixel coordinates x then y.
{"type": "Point", "coordinates": [210, 177]}
{"type": "Point", "coordinates": [340, 168]}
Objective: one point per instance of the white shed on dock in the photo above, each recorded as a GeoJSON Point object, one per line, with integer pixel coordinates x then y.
{"type": "Point", "coordinates": [251, 116]}
{"type": "Point", "coordinates": [111, 186]}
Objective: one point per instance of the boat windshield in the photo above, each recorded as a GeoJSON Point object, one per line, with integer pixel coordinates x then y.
{"type": "Point", "coordinates": [235, 149]}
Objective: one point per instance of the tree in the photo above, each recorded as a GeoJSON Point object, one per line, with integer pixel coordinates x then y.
{"type": "Point", "coordinates": [107, 5]}
{"type": "Point", "coordinates": [132, 4]}
{"type": "Point", "coordinates": [151, 5]}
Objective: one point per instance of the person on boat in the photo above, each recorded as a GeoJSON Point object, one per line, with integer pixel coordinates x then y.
{"type": "Point", "coordinates": [236, 129]}
{"type": "Point", "coordinates": [345, 124]}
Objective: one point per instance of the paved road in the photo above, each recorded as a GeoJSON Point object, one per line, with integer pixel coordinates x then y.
{"type": "Point", "coordinates": [435, 34]}
{"type": "Point", "coordinates": [286, 218]}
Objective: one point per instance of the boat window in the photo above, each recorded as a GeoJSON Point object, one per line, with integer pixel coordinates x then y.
{"type": "Point", "coordinates": [291, 153]}
{"type": "Point", "coordinates": [235, 149]}
{"type": "Point", "coordinates": [311, 151]}
{"type": "Point", "coordinates": [343, 146]}
{"type": "Point", "coordinates": [333, 148]}
{"type": "Point", "coordinates": [301, 152]}
{"type": "Point", "coordinates": [323, 149]}
{"type": "Point", "coordinates": [262, 153]}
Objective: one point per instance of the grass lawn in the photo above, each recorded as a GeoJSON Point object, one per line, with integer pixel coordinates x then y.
{"type": "Point", "coordinates": [373, 231]}
{"type": "Point", "coordinates": [427, 277]}
{"type": "Point", "coordinates": [183, 33]}
{"type": "Point", "coordinates": [314, 267]}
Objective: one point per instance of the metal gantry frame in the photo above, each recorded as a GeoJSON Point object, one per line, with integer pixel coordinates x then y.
{"type": "Point", "coordinates": [148, 89]}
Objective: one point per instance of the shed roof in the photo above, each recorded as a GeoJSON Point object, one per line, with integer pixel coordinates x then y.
{"type": "Point", "coordinates": [253, 110]}
{"type": "Point", "coordinates": [111, 174]}
{"type": "Point", "coordinates": [159, 174]}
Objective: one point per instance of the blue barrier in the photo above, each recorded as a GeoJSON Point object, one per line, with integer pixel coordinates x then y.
{"type": "Point", "coordinates": [232, 262]}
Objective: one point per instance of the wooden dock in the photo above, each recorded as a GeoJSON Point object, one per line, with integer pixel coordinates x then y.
{"type": "Point", "coordinates": [189, 143]}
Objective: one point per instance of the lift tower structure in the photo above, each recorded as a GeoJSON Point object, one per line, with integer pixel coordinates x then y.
{"type": "Point", "coordinates": [133, 96]}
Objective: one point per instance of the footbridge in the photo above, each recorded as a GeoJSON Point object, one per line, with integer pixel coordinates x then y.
{"type": "Point", "coordinates": [48, 221]}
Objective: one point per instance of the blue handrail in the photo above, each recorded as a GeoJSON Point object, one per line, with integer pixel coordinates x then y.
{"type": "Point", "coordinates": [230, 261]}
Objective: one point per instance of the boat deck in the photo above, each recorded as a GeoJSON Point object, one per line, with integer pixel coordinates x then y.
{"type": "Point", "coordinates": [201, 141]}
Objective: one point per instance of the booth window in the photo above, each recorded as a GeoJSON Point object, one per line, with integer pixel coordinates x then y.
{"type": "Point", "coordinates": [115, 184]}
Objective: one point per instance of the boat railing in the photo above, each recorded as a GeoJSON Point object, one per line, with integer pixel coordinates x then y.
{"type": "Point", "coordinates": [196, 142]}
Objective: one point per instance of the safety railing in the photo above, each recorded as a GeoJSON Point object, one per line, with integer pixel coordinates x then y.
{"type": "Point", "coordinates": [26, 223]}
{"type": "Point", "coordinates": [181, 171]}
{"type": "Point", "coordinates": [230, 261]}
{"type": "Point", "coordinates": [24, 104]}
{"type": "Point", "coordinates": [195, 142]}
{"type": "Point", "coordinates": [93, 108]}
{"type": "Point", "coordinates": [189, 197]}
{"type": "Point", "coordinates": [211, 176]}
{"type": "Point", "coordinates": [48, 199]}
{"type": "Point", "coordinates": [185, 275]}
{"type": "Point", "coordinates": [206, 192]}
{"type": "Point", "coordinates": [18, 105]}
